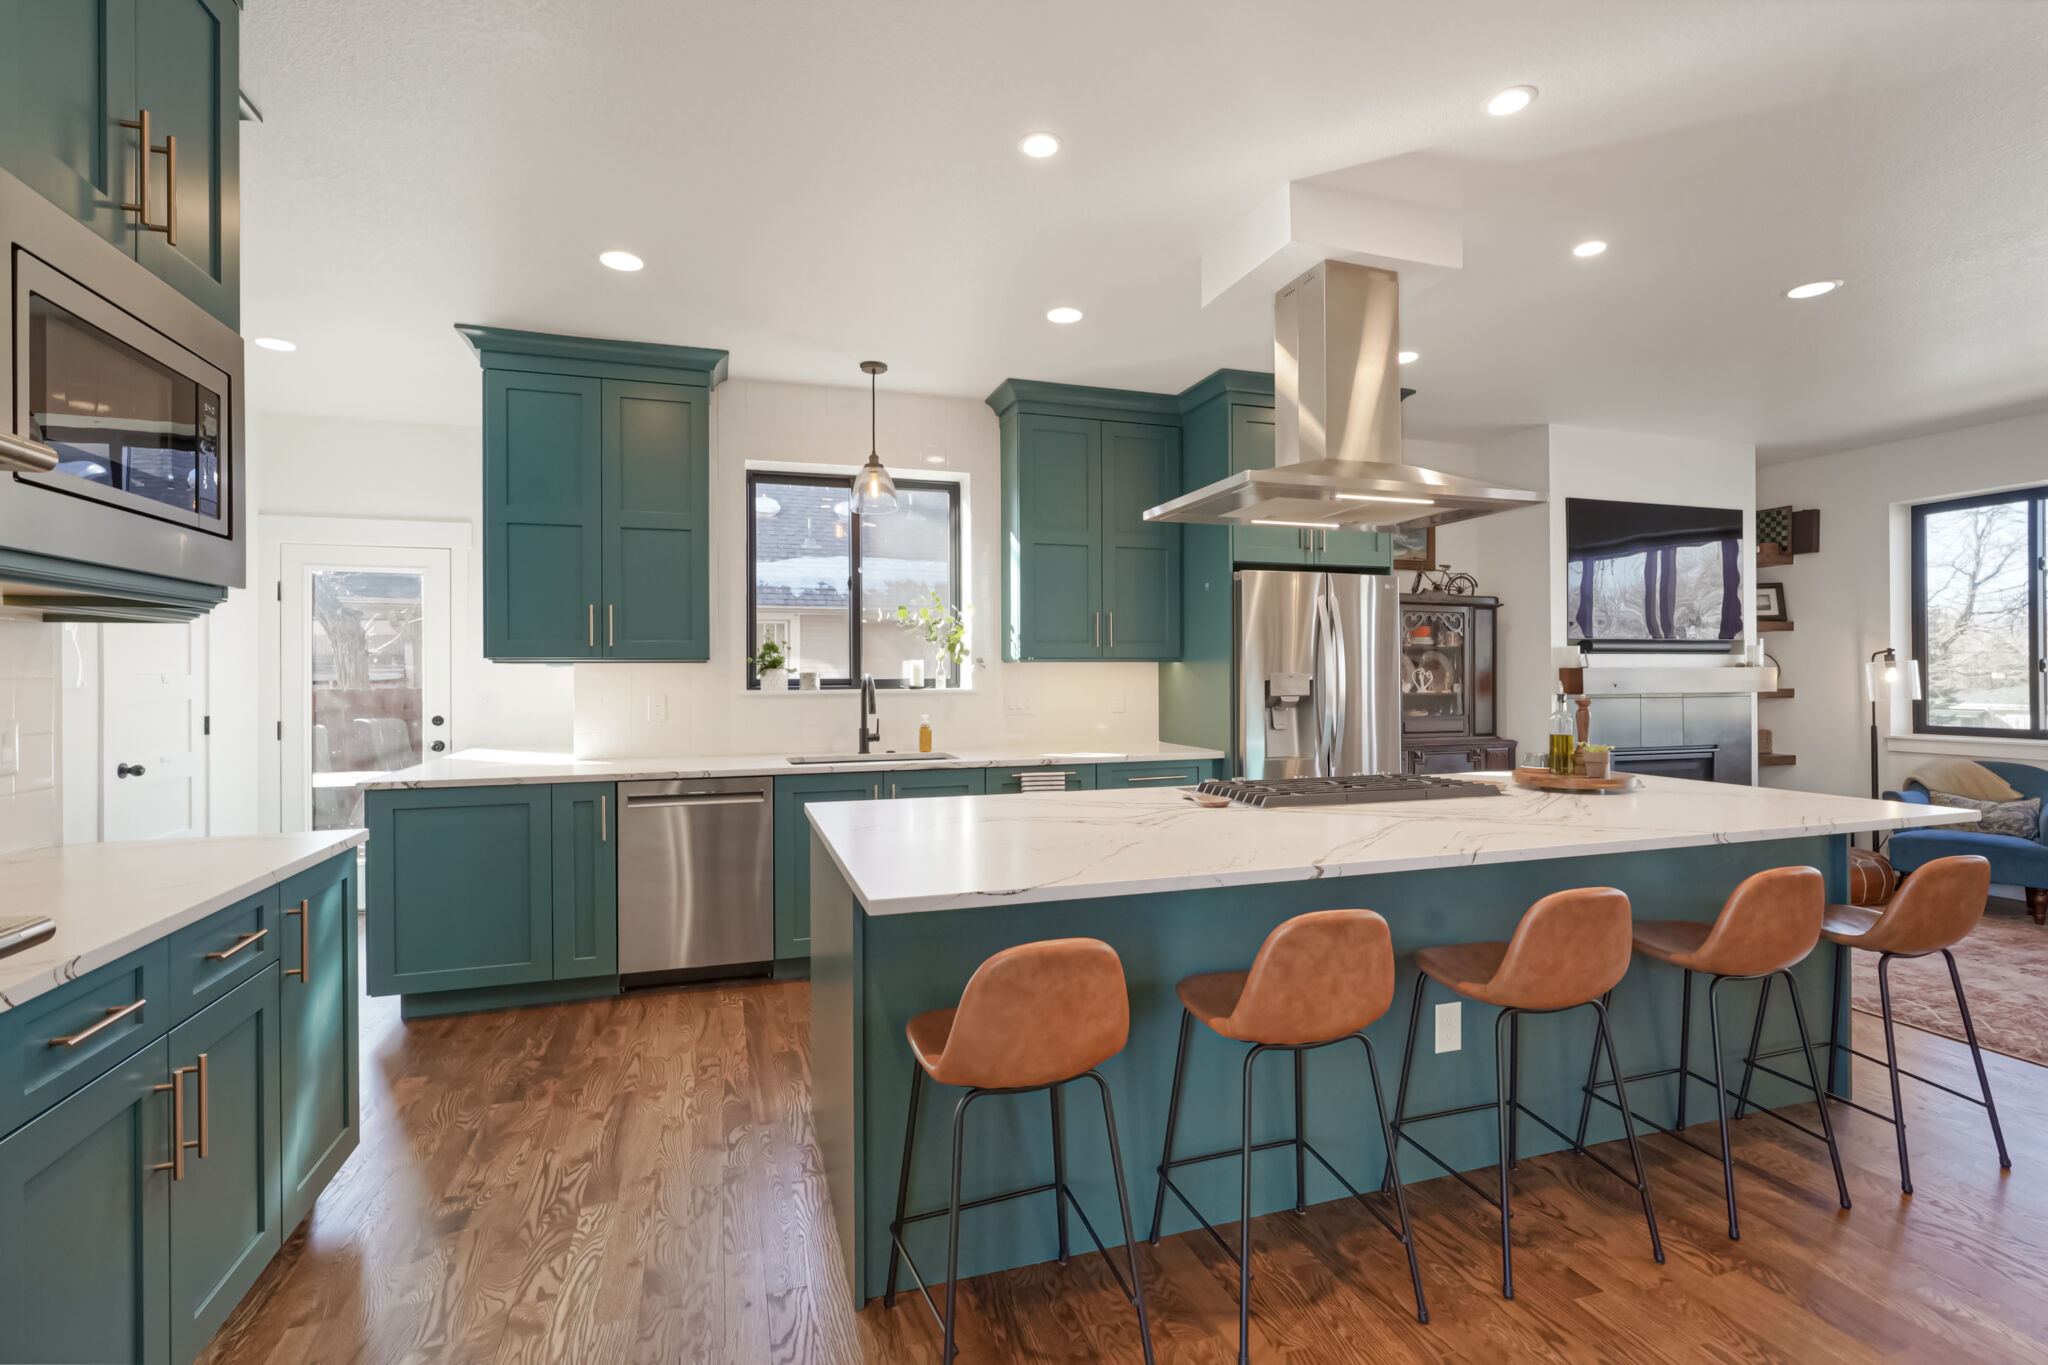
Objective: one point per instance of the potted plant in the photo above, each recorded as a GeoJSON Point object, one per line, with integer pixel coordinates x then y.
{"type": "Point", "coordinates": [942, 627]}
{"type": "Point", "coordinates": [771, 666]}
{"type": "Point", "coordinates": [1599, 758]}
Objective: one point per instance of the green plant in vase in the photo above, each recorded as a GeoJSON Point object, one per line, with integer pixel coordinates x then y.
{"type": "Point", "coordinates": [942, 627]}
{"type": "Point", "coordinates": [771, 666]}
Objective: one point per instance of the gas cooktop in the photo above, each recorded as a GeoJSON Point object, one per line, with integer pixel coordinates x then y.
{"type": "Point", "coordinates": [1339, 791]}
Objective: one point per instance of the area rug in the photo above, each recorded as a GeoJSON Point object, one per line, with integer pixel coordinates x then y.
{"type": "Point", "coordinates": [2004, 965]}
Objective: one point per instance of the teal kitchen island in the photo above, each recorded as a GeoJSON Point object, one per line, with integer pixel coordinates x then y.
{"type": "Point", "coordinates": [908, 898]}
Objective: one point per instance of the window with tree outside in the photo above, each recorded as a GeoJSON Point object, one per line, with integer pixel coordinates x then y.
{"type": "Point", "coordinates": [1978, 614]}
{"type": "Point", "coordinates": [825, 585]}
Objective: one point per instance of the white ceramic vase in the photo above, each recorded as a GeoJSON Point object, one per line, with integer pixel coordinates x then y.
{"type": "Point", "coordinates": [774, 680]}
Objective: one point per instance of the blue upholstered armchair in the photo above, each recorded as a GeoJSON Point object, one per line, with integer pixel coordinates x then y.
{"type": "Point", "coordinates": [2014, 862]}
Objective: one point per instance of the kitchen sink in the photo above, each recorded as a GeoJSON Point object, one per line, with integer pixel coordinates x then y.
{"type": "Point", "coordinates": [898, 759]}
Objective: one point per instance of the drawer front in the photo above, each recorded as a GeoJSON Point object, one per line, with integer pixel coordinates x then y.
{"type": "Point", "coordinates": [36, 1071]}
{"type": "Point", "coordinates": [1080, 777]}
{"type": "Point", "coordinates": [212, 957]}
{"type": "Point", "coordinates": [1109, 776]}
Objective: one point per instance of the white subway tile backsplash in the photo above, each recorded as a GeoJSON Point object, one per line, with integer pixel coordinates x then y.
{"type": "Point", "coordinates": [28, 699]}
{"type": "Point", "coordinates": [35, 705]}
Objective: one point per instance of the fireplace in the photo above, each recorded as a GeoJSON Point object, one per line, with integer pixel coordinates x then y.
{"type": "Point", "coordinates": [1695, 761]}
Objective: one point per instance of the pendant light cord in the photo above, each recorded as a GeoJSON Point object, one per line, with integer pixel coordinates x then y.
{"type": "Point", "coordinates": [872, 448]}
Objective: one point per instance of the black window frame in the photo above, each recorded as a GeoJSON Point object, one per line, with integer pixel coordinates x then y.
{"type": "Point", "coordinates": [2036, 500]}
{"type": "Point", "coordinates": [756, 477]}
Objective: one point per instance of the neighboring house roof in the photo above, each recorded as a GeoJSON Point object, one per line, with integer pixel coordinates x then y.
{"type": "Point", "coordinates": [789, 572]}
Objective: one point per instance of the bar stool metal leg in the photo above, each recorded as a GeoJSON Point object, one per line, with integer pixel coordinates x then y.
{"type": "Point", "coordinates": [1684, 1048]}
{"type": "Point", "coordinates": [1756, 1041]}
{"type": "Point", "coordinates": [1300, 1130]}
{"type": "Point", "coordinates": [1628, 1128]}
{"type": "Point", "coordinates": [1180, 1070]}
{"type": "Point", "coordinates": [1123, 1203]}
{"type": "Point", "coordinates": [1502, 1089]}
{"type": "Point", "coordinates": [1244, 1225]}
{"type": "Point", "coordinates": [1891, 1063]}
{"type": "Point", "coordinates": [947, 1351]}
{"type": "Point", "coordinates": [1059, 1165]}
{"type": "Point", "coordinates": [1515, 1094]}
{"type": "Point", "coordinates": [1827, 1125]}
{"type": "Point", "coordinates": [903, 1185]}
{"type": "Point", "coordinates": [1379, 1101]}
{"type": "Point", "coordinates": [1977, 1056]}
{"type": "Point", "coordinates": [1407, 1067]}
{"type": "Point", "coordinates": [1721, 1105]}
{"type": "Point", "coordinates": [1592, 1078]}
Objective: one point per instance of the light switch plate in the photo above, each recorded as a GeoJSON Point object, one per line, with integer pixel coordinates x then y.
{"type": "Point", "coordinates": [657, 707]}
{"type": "Point", "coordinates": [1450, 1027]}
{"type": "Point", "coordinates": [1017, 703]}
{"type": "Point", "coordinates": [10, 748]}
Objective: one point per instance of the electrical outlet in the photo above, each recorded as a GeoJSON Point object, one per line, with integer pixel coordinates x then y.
{"type": "Point", "coordinates": [1116, 703]}
{"type": "Point", "coordinates": [10, 748]}
{"type": "Point", "coordinates": [1017, 703]}
{"type": "Point", "coordinates": [1450, 1027]}
{"type": "Point", "coordinates": [657, 707]}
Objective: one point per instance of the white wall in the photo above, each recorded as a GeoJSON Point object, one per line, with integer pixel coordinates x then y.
{"type": "Point", "coordinates": [30, 815]}
{"type": "Point", "coordinates": [1854, 596]}
{"type": "Point", "coordinates": [707, 708]}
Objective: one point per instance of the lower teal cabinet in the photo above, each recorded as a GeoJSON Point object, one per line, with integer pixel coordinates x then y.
{"type": "Point", "coordinates": [1180, 774]}
{"type": "Point", "coordinates": [586, 881]}
{"type": "Point", "coordinates": [225, 1221]}
{"type": "Point", "coordinates": [317, 1023]}
{"type": "Point", "coordinates": [935, 782]}
{"type": "Point", "coordinates": [1078, 777]}
{"type": "Point", "coordinates": [85, 1223]}
{"type": "Point", "coordinates": [793, 848]}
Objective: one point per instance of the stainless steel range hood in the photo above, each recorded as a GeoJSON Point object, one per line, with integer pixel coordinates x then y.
{"type": "Point", "coordinates": [1338, 460]}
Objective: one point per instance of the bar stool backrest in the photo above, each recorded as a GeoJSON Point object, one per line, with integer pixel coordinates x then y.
{"type": "Point", "coordinates": [1037, 1013]}
{"type": "Point", "coordinates": [1570, 948]}
{"type": "Point", "coordinates": [1937, 906]}
{"type": "Point", "coordinates": [1317, 977]}
{"type": "Point", "coordinates": [1771, 921]}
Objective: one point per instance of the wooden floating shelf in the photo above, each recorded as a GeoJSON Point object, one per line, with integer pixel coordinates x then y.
{"type": "Point", "coordinates": [1782, 694]}
{"type": "Point", "coordinates": [1765, 627]}
{"type": "Point", "coordinates": [1772, 556]}
{"type": "Point", "coordinates": [1776, 760]}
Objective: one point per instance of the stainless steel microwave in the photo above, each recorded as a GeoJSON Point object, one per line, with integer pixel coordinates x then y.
{"type": "Point", "coordinates": [126, 411]}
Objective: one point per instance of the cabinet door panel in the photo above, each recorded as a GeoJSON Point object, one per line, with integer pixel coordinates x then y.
{"type": "Point", "coordinates": [1141, 559]}
{"type": "Point", "coordinates": [317, 1019]}
{"type": "Point", "coordinates": [1181, 774]}
{"type": "Point", "coordinates": [793, 849]}
{"type": "Point", "coordinates": [586, 889]}
{"type": "Point", "coordinates": [224, 1213]}
{"type": "Point", "coordinates": [543, 537]}
{"type": "Point", "coordinates": [85, 1265]}
{"type": "Point", "coordinates": [461, 889]}
{"type": "Point", "coordinates": [67, 78]}
{"type": "Point", "coordinates": [1058, 538]}
{"type": "Point", "coordinates": [935, 782]}
{"type": "Point", "coordinates": [34, 1074]}
{"type": "Point", "coordinates": [1078, 777]}
{"type": "Point", "coordinates": [1253, 437]}
{"type": "Point", "coordinates": [656, 505]}
{"type": "Point", "coordinates": [186, 56]}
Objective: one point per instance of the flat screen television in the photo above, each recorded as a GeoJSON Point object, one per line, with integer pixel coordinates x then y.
{"type": "Point", "coordinates": [1649, 576]}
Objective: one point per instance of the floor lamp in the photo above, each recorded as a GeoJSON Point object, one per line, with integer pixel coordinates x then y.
{"type": "Point", "coordinates": [1880, 675]}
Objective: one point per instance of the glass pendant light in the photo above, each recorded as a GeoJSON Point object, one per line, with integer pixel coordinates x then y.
{"type": "Point", "coordinates": [874, 492]}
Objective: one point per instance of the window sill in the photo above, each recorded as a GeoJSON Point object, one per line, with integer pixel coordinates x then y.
{"type": "Point", "coordinates": [1971, 746]}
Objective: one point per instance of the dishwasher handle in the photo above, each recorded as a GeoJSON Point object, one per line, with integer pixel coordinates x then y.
{"type": "Point", "coordinates": [697, 799]}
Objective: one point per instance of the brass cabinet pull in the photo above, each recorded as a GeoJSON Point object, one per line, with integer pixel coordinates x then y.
{"type": "Point", "coordinates": [114, 1015]}
{"type": "Point", "coordinates": [1112, 630]}
{"type": "Point", "coordinates": [176, 1165]}
{"type": "Point", "coordinates": [1162, 777]}
{"type": "Point", "coordinates": [169, 152]}
{"type": "Point", "coordinates": [610, 632]}
{"type": "Point", "coordinates": [30, 457]}
{"type": "Point", "coordinates": [242, 941]}
{"type": "Point", "coordinates": [304, 970]}
{"type": "Point", "coordinates": [1098, 630]}
{"type": "Point", "coordinates": [602, 801]}
{"type": "Point", "coordinates": [590, 626]}
{"type": "Point", "coordinates": [202, 1143]}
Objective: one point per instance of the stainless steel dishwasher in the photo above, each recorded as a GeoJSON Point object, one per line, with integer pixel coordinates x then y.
{"type": "Point", "coordinates": [696, 880]}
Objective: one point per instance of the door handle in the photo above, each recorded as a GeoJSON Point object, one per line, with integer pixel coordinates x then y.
{"type": "Point", "coordinates": [203, 1142]}
{"type": "Point", "coordinates": [176, 1165]}
{"type": "Point", "coordinates": [1112, 630]}
{"type": "Point", "coordinates": [602, 802]}
{"type": "Point", "coordinates": [304, 971]}
{"type": "Point", "coordinates": [114, 1015]}
{"type": "Point", "coordinates": [128, 770]}
{"type": "Point", "coordinates": [590, 626]}
{"type": "Point", "coordinates": [611, 634]}
{"type": "Point", "coordinates": [30, 457]}
{"type": "Point", "coordinates": [1098, 630]}
{"type": "Point", "coordinates": [254, 936]}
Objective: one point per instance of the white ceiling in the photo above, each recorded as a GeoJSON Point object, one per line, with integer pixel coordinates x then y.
{"type": "Point", "coordinates": [817, 183]}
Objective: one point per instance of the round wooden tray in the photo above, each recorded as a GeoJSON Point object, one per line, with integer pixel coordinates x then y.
{"type": "Point", "coordinates": [1549, 781]}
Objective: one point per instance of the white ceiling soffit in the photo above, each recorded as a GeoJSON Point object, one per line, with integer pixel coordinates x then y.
{"type": "Point", "coordinates": [1301, 223]}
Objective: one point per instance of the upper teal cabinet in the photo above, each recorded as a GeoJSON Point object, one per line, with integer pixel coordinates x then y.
{"type": "Point", "coordinates": [1085, 576]}
{"type": "Point", "coordinates": [597, 491]}
{"type": "Point", "coordinates": [73, 72]}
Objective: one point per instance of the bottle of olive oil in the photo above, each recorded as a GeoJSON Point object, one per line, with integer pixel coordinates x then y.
{"type": "Point", "coordinates": [1564, 738]}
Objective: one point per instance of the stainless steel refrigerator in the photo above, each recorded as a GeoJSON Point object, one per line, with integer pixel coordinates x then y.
{"type": "Point", "coordinates": [1315, 683]}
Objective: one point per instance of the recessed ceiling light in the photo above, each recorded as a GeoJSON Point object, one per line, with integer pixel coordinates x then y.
{"type": "Point", "coordinates": [1589, 248]}
{"type": "Point", "coordinates": [1512, 100]}
{"type": "Point", "coordinates": [934, 459]}
{"type": "Point", "coordinates": [1814, 290]}
{"type": "Point", "coordinates": [1407, 356]}
{"type": "Point", "coordinates": [1063, 316]}
{"type": "Point", "coordinates": [276, 344]}
{"type": "Point", "coordinates": [621, 260]}
{"type": "Point", "coordinates": [1039, 145]}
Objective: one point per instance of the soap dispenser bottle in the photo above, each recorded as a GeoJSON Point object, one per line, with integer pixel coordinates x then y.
{"type": "Point", "coordinates": [924, 734]}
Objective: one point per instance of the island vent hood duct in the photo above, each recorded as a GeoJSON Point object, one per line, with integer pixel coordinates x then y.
{"type": "Point", "coordinates": [1338, 459]}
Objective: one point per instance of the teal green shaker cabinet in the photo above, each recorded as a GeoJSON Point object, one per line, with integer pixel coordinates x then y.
{"type": "Point", "coordinates": [1085, 576]}
{"type": "Point", "coordinates": [71, 71]}
{"type": "Point", "coordinates": [597, 495]}
{"type": "Point", "coordinates": [935, 782]}
{"type": "Point", "coordinates": [318, 1015]}
{"type": "Point", "coordinates": [793, 848]}
{"type": "Point", "coordinates": [586, 880]}
{"type": "Point", "coordinates": [225, 1221]}
{"type": "Point", "coordinates": [1075, 777]}
{"type": "Point", "coordinates": [85, 1223]}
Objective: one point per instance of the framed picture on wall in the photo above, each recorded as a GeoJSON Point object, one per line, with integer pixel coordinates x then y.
{"type": "Point", "coordinates": [1770, 602]}
{"type": "Point", "coordinates": [1414, 547]}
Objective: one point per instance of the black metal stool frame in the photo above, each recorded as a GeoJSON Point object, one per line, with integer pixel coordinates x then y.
{"type": "Point", "coordinates": [1508, 1107]}
{"type": "Point", "coordinates": [1404, 1230]}
{"type": "Point", "coordinates": [1890, 1061]}
{"type": "Point", "coordinates": [1752, 1063]}
{"type": "Point", "coordinates": [1063, 1195]}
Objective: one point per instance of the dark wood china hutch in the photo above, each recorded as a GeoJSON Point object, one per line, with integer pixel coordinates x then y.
{"type": "Point", "coordinates": [1447, 685]}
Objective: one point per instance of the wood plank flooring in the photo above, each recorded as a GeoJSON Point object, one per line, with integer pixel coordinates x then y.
{"type": "Point", "coordinates": [633, 1180]}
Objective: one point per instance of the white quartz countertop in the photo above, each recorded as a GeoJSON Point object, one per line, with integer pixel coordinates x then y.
{"type": "Point", "coordinates": [510, 768]}
{"type": "Point", "coordinates": [948, 853]}
{"type": "Point", "coordinates": [110, 899]}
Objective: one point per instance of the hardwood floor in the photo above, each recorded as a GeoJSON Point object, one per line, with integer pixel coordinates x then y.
{"type": "Point", "coordinates": [632, 1180]}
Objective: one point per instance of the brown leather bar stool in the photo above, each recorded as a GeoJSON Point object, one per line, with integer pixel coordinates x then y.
{"type": "Point", "coordinates": [1319, 979]}
{"type": "Point", "coordinates": [1032, 1018]}
{"type": "Point", "coordinates": [1767, 926]}
{"type": "Point", "coordinates": [1935, 908]}
{"type": "Point", "coordinates": [1567, 953]}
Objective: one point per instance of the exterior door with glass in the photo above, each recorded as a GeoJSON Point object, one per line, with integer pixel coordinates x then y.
{"type": "Point", "coordinates": [364, 674]}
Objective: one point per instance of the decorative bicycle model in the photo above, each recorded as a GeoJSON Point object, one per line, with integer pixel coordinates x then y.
{"type": "Point", "coordinates": [1441, 579]}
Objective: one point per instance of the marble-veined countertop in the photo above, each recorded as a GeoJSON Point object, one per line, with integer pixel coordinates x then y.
{"type": "Point", "coordinates": [110, 899]}
{"type": "Point", "coordinates": [949, 853]}
{"type": "Point", "coordinates": [504, 767]}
